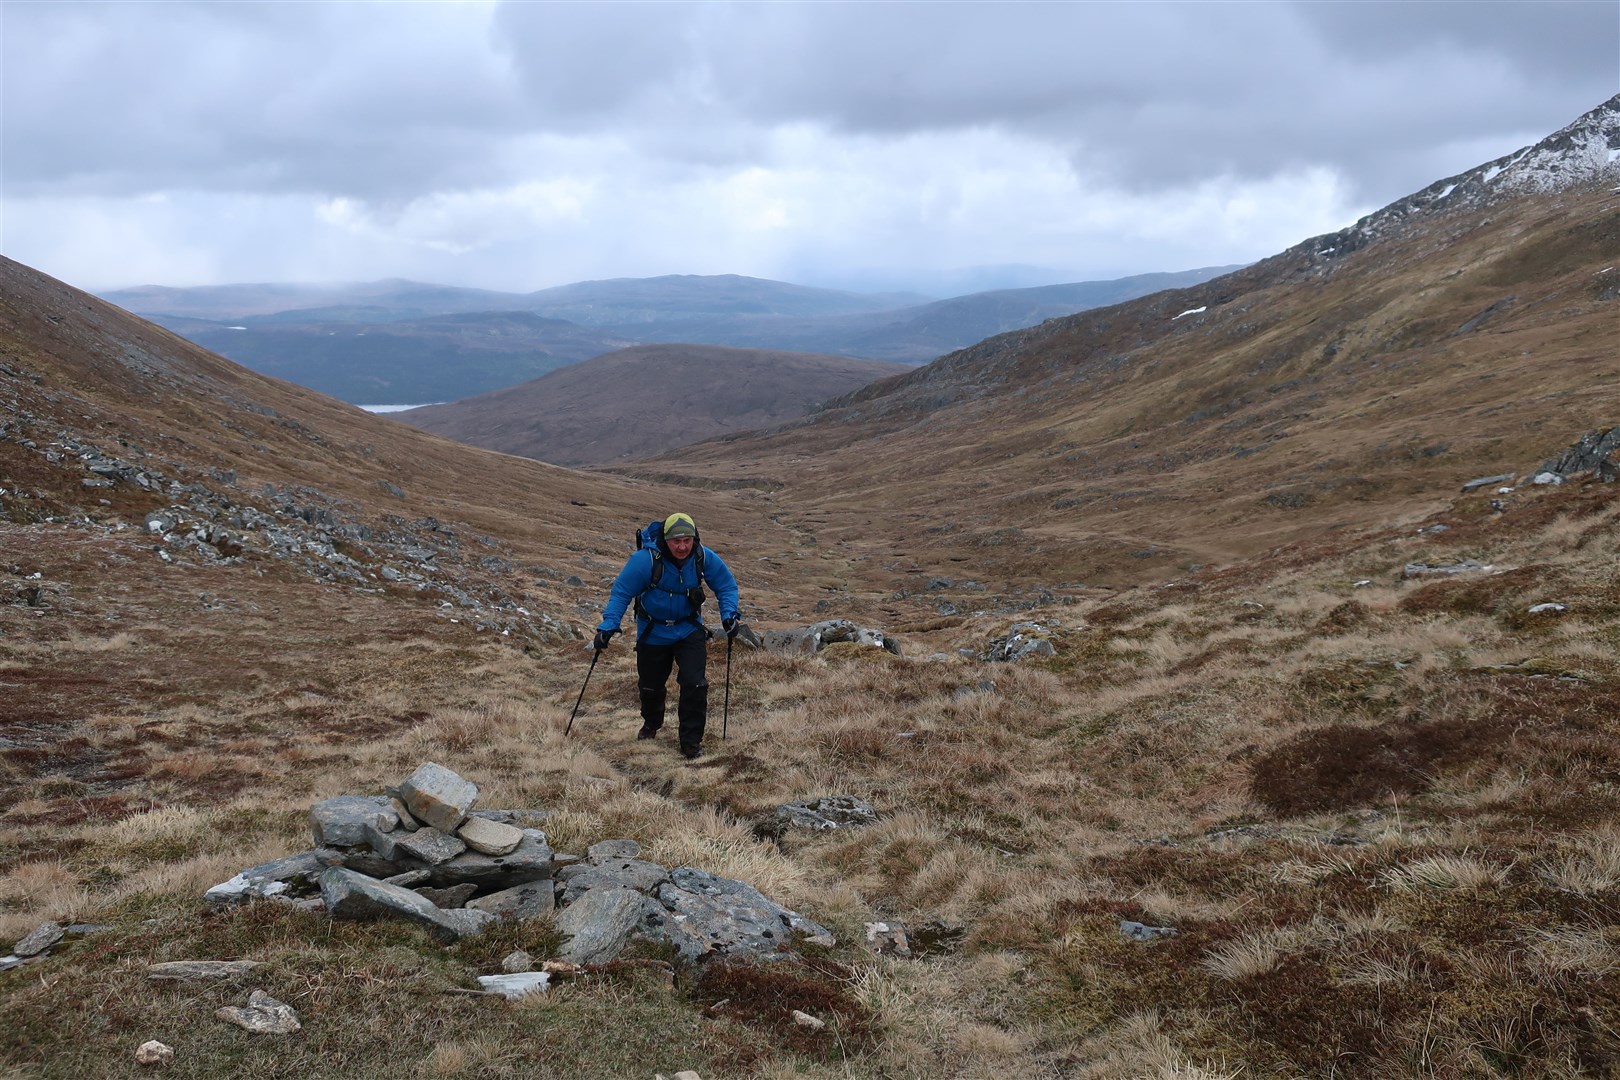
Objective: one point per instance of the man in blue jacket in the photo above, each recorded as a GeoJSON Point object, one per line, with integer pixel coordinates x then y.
{"type": "Point", "coordinates": [664, 581]}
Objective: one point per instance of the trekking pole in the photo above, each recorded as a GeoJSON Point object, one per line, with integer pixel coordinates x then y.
{"type": "Point", "coordinates": [725, 712]}
{"type": "Point", "coordinates": [569, 729]}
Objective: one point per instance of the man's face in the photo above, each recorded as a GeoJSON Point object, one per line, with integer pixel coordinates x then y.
{"type": "Point", "coordinates": [680, 547]}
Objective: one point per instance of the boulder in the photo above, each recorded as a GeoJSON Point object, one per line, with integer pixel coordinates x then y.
{"type": "Point", "coordinates": [1596, 451]}
{"type": "Point", "coordinates": [490, 837]}
{"type": "Point", "coordinates": [712, 914]}
{"type": "Point", "coordinates": [41, 939]}
{"type": "Point", "coordinates": [819, 635]}
{"type": "Point", "coordinates": [597, 926]}
{"type": "Point", "coordinates": [1023, 640]}
{"type": "Point", "coordinates": [438, 797]}
{"type": "Point", "coordinates": [264, 1015]}
{"type": "Point", "coordinates": [342, 822]}
{"type": "Point", "coordinates": [349, 895]}
{"type": "Point", "coordinates": [826, 813]}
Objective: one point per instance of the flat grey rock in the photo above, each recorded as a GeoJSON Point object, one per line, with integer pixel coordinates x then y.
{"type": "Point", "coordinates": [438, 797]}
{"type": "Point", "coordinates": [597, 927]}
{"type": "Point", "coordinates": [342, 822]}
{"type": "Point", "coordinates": [1142, 932]}
{"type": "Point", "coordinates": [201, 970]}
{"type": "Point", "coordinates": [490, 837]}
{"type": "Point", "coordinates": [430, 845]}
{"type": "Point", "coordinates": [520, 901]}
{"type": "Point", "coordinates": [531, 861]}
{"type": "Point", "coordinates": [349, 895]}
{"type": "Point", "coordinates": [1486, 481]}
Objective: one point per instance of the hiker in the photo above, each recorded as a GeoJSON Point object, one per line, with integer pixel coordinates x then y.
{"type": "Point", "coordinates": [664, 580]}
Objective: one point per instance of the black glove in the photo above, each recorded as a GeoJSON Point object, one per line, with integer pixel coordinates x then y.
{"type": "Point", "coordinates": [602, 638]}
{"type": "Point", "coordinates": [731, 625]}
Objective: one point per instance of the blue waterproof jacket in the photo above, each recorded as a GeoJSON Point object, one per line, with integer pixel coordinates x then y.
{"type": "Point", "coordinates": [671, 616]}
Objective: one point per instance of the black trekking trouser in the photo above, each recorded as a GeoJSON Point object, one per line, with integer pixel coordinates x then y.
{"type": "Point", "coordinates": [689, 657]}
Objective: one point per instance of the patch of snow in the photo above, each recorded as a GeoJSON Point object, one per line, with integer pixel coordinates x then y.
{"type": "Point", "coordinates": [1541, 608]}
{"type": "Point", "coordinates": [1191, 311]}
{"type": "Point", "coordinates": [394, 408]}
{"type": "Point", "coordinates": [1491, 174]}
{"type": "Point", "coordinates": [236, 328]}
{"type": "Point", "coordinates": [1605, 270]}
{"type": "Point", "coordinates": [1614, 154]}
{"type": "Point", "coordinates": [1449, 189]}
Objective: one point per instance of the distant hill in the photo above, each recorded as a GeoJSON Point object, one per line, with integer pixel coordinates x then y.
{"type": "Point", "coordinates": [401, 342]}
{"type": "Point", "coordinates": [411, 361]}
{"type": "Point", "coordinates": [645, 400]}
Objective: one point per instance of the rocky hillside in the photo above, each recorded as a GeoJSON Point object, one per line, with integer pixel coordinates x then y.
{"type": "Point", "coordinates": [646, 400]}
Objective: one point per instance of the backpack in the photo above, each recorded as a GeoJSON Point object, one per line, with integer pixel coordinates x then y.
{"type": "Point", "coordinates": [652, 538]}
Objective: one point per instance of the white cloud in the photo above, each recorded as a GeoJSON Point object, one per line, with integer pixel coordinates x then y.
{"type": "Point", "coordinates": [516, 145]}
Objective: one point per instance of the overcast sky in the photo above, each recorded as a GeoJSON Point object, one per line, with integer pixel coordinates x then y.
{"type": "Point", "coordinates": [521, 145]}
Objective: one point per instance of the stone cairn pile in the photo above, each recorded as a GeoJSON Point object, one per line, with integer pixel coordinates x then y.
{"type": "Point", "coordinates": [423, 853]}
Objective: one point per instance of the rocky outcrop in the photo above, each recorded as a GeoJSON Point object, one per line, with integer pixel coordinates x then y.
{"type": "Point", "coordinates": [1596, 453]}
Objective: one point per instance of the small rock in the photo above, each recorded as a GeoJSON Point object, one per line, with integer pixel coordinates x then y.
{"type": "Point", "coordinates": [200, 970]}
{"type": "Point", "coordinates": [888, 937]}
{"type": "Point", "coordinates": [517, 962]}
{"type": "Point", "coordinates": [805, 1020]}
{"type": "Point", "coordinates": [613, 849]}
{"type": "Point", "coordinates": [264, 1015]}
{"type": "Point", "coordinates": [9, 962]}
{"type": "Point", "coordinates": [1539, 609]}
{"type": "Point", "coordinates": [490, 837]}
{"type": "Point", "coordinates": [1542, 479]}
{"type": "Point", "coordinates": [153, 1053]}
{"type": "Point", "coordinates": [685, 1074]}
{"type": "Point", "coordinates": [515, 985]}
{"type": "Point", "coordinates": [41, 939]}
{"type": "Point", "coordinates": [1141, 932]}
{"type": "Point", "coordinates": [403, 812]}
{"type": "Point", "coordinates": [431, 846]}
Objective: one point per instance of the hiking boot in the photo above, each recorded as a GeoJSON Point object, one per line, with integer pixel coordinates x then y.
{"type": "Point", "coordinates": [691, 752]}
{"type": "Point", "coordinates": [646, 732]}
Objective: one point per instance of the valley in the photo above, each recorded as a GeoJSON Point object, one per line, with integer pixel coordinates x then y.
{"type": "Point", "coordinates": [1307, 764]}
